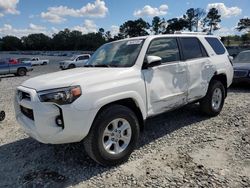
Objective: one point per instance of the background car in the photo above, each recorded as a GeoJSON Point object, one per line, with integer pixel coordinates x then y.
{"type": "Point", "coordinates": [37, 61]}
{"type": "Point", "coordinates": [18, 69]}
{"type": "Point", "coordinates": [75, 61]}
{"type": "Point", "coordinates": [13, 61]}
{"type": "Point", "coordinates": [241, 66]}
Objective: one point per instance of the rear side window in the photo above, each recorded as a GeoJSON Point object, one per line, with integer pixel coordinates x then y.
{"type": "Point", "coordinates": [83, 57]}
{"type": "Point", "coordinates": [166, 48]}
{"type": "Point", "coordinates": [192, 48]}
{"type": "Point", "coordinates": [216, 45]}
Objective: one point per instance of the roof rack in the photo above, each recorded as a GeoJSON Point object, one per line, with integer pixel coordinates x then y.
{"type": "Point", "coordinates": [191, 33]}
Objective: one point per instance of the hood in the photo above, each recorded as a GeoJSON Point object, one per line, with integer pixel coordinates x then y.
{"type": "Point", "coordinates": [77, 76]}
{"type": "Point", "coordinates": [242, 66]}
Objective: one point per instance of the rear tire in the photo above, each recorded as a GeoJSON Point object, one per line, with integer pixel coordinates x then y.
{"type": "Point", "coordinates": [21, 72]}
{"type": "Point", "coordinates": [113, 136]}
{"type": "Point", "coordinates": [44, 63]}
{"type": "Point", "coordinates": [213, 102]}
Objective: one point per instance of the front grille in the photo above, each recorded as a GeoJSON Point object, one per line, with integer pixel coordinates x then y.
{"type": "Point", "coordinates": [23, 95]}
{"type": "Point", "coordinates": [240, 73]}
{"type": "Point", "coordinates": [27, 112]}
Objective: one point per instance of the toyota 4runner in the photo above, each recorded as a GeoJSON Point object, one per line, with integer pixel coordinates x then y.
{"type": "Point", "coordinates": [106, 103]}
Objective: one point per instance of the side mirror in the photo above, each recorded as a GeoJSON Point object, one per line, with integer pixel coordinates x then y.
{"type": "Point", "coordinates": [153, 61]}
{"type": "Point", "coordinates": [231, 58]}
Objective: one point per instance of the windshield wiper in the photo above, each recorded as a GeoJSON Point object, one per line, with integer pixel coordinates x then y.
{"type": "Point", "coordinates": [102, 65]}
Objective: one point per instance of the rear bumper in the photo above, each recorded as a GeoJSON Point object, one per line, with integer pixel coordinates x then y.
{"type": "Point", "coordinates": [42, 125]}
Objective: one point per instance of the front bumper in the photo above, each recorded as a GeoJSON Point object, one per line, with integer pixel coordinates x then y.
{"type": "Point", "coordinates": [38, 120]}
{"type": "Point", "coordinates": [63, 67]}
{"type": "Point", "coordinates": [241, 76]}
{"type": "Point", "coordinates": [241, 80]}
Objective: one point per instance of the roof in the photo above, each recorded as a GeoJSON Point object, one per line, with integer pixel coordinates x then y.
{"type": "Point", "coordinates": [186, 34]}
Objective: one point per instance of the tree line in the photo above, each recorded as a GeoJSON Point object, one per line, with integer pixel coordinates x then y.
{"type": "Point", "coordinates": [195, 19]}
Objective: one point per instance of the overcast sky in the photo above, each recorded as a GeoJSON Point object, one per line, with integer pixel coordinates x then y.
{"type": "Point", "coordinates": [22, 17]}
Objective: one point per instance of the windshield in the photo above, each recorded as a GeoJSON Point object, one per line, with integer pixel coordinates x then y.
{"type": "Point", "coordinates": [73, 57]}
{"type": "Point", "coordinates": [116, 54]}
{"type": "Point", "coordinates": [243, 57]}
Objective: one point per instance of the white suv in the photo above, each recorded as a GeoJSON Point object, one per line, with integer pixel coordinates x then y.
{"type": "Point", "coordinates": [106, 103]}
{"type": "Point", "coordinates": [75, 61]}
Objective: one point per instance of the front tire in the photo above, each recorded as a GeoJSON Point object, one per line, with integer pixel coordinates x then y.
{"type": "Point", "coordinates": [113, 135]}
{"type": "Point", "coordinates": [213, 102]}
{"type": "Point", "coordinates": [2, 115]}
{"type": "Point", "coordinates": [72, 66]}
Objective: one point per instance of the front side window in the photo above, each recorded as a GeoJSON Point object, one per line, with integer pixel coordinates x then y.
{"type": "Point", "coordinates": [117, 54]}
{"type": "Point", "coordinates": [83, 57]}
{"type": "Point", "coordinates": [166, 48]}
{"type": "Point", "coordinates": [192, 48]}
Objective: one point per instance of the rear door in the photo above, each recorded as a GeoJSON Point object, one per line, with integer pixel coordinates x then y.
{"type": "Point", "coordinates": [166, 83]}
{"type": "Point", "coordinates": [198, 65]}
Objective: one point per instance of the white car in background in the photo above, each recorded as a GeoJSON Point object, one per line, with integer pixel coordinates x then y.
{"type": "Point", "coordinates": [37, 61]}
{"type": "Point", "coordinates": [75, 61]}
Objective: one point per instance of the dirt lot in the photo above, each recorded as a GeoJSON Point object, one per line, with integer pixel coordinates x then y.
{"type": "Point", "coordinates": [177, 149]}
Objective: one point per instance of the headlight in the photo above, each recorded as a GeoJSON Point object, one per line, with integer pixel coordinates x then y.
{"type": "Point", "coordinates": [61, 95]}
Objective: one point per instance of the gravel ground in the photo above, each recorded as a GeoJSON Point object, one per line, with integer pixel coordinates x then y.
{"type": "Point", "coordinates": [177, 149]}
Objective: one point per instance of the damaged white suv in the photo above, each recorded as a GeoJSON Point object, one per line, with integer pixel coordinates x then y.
{"type": "Point", "coordinates": [106, 103]}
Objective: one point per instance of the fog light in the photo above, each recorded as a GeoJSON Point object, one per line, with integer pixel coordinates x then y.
{"type": "Point", "coordinates": [59, 121]}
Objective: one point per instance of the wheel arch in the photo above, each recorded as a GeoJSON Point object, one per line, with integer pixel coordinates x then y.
{"type": "Point", "coordinates": [222, 78]}
{"type": "Point", "coordinates": [129, 103]}
{"type": "Point", "coordinates": [22, 68]}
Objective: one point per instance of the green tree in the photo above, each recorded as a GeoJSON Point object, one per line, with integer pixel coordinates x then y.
{"type": "Point", "coordinates": [199, 15]}
{"type": "Point", "coordinates": [108, 36]}
{"type": "Point", "coordinates": [61, 39]}
{"type": "Point", "coordinates": [91, 41]}
{"type": "Point", "coordinates": [73, 40]}
{"type": "Point", "coordinates": [190, 17]}
{"type": "Point", "coordinates": [156, 25]}
{"type": "Point", "coordinates": [243, 24]}
{"type": "Point", "coordinates": [37, 42]}
{"type": "Point", "coordinates": [245, 39]}
{"type": "Point", "coordinates": [212, 20]}
{"type": "Point", "coordinates": [11, 43]}
{"type": "Point", "coordinates": [176, 24]}
{"type": "Point", "coordinates": [134, 28]}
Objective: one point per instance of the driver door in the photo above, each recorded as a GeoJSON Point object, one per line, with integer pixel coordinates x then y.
{"type": "Point", "coordinates": [166, 84]}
